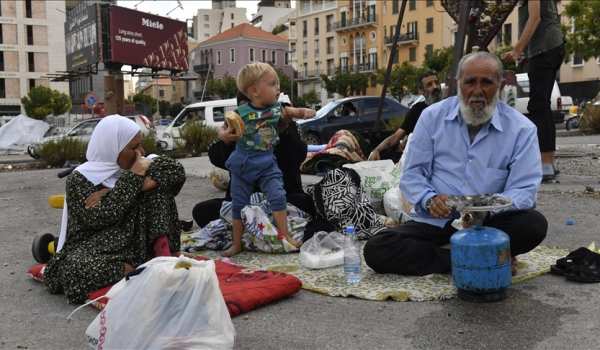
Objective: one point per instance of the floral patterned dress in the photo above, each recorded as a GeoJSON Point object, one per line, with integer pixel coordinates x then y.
{"type": "Point", "coordinates": [119, 229]}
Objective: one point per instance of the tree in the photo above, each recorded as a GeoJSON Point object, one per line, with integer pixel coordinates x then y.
{"type": "Point", "coordinates": [42, 101]}
{"type": "Point", "coordinates": [338, 83]}
{"type": "Point", "coordinates": [279, 29]}
{"type": "Point", "coordinates": [440, 61]}
{"type": "Point", "coordinates": [585, 40]}
{"type": "Point", "coordinates": [164, 107]}
{"type": "Point", "coordinates": [311, 98]}
{"type": "Point", "coordinates": [145, 100]}
{"type": "Point", "coordinates": [403, 79]}
{"type": "Point", "coordinates": [222, 88]}
{"type": "Point", "coordinates": [285, 85]}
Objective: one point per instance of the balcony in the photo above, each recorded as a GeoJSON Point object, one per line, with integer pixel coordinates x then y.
{"type": "Point", "coordinates": [404, 39]}
{"type": "Point", "coordinates": [201, 68]}
{"type": "Point", "coordinates": [360, 68]}
{"type": "Point", "coordinates": [308, 75]}
{"type": "Point", "coordinates": [354, 23]}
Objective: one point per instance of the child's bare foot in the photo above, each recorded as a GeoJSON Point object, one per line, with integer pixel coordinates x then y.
{"type": "Point", "coordinates": [293, 242]}
{"type": "Point", "coordinates": [233, 250]}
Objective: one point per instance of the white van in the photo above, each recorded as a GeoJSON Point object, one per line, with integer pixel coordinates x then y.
{"type": "Point", "coordinates": [558, 104]}
{"type": "Point", "coordinates": [211, 112]}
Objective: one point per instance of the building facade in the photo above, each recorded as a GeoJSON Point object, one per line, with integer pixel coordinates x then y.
{"type": "Point", "coordinates": [314, 45]}
{"type": "Point", "coordinates": [271, 13]}
{"type": "Point", "coordinates": [225, 54]}
{"type": "Point", "coordinates": [28, 50]}
{"type": "Point", "coordinates": [210, 22]}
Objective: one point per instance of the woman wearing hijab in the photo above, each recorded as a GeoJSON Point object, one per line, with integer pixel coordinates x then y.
{"type": "Point", "coordinates": [120, 212]}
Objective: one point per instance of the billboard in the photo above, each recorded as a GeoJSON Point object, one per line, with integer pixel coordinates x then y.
{"type": "Point", "coordinates": [81, 36]}
{"type": "Point", "coordinates": [142, 39]}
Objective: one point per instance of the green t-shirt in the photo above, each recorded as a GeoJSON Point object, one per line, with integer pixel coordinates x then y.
{"type": "Point", "coordinates": [260, 127]}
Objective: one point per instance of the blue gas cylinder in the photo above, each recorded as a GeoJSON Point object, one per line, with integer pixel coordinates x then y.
{"type": "Point", "coordinates": [481, 263]}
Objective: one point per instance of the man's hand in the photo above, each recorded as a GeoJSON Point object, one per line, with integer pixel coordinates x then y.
{"type": "Point", "coordinates": [95, 198]}
{"type": "Point", "coordinates": [307, 113]}
{"type": "Point", "coordinates": [512, 55]}
{"type": "Point", "coordinates": [227, 134]}
{"type": "Point", "coordinates": [141, 165]}
{"type": "Point", "coordinates": [437, 206]}
{"type": "Point", "coordinates": [374, 155]}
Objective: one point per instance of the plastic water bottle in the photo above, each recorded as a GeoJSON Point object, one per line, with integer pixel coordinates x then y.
{"type": "Point", "coordinates": [351, 256]}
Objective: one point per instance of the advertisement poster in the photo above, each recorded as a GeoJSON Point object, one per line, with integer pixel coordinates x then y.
{"type": "Point", "coordinates": [81, 36]}
{"type": "Point", "coordinates": [142, 39]}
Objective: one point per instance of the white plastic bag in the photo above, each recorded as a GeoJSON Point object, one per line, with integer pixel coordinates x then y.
{"type": "Point", "coordinates": [376, 177]}
{"type": "Point", "coordinates": [394, 203]}
{"type": "Point", "coordinates": [324, 249]}
{"type": "Point", "coordinates": [174, 303]}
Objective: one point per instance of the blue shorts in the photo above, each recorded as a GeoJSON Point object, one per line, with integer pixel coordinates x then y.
{"type": "Point", "coordinates": [250, 168]}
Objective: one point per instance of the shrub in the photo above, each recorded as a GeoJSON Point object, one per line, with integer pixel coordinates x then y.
{"type": "Point", "coordinates": [149, 143]}
{"type": "Point", "coordinates": [42, 101]}
{"type": "Point", "coordinates": [57, 152]}
{"type": "Point", "coordinates": [196, 136]}
{"type": "Point", "coordinates": [590, 121]}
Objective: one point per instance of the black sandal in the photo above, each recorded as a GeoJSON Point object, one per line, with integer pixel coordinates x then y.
{"type": "Point", "coordinates": [565, 265]}
{"type": "Point", "coordinates": [581, 265]}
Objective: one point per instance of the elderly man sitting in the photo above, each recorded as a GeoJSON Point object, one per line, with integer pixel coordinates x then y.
{"type": "Point", "coordinates": [465, 145]}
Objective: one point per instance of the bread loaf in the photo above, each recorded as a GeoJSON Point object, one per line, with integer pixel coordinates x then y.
{"type": "Point", "coordinates": [233, 120]}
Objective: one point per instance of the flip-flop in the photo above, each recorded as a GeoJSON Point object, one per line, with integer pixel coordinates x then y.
{"type": "Point", "coordinates": [586, 273]}
{"type": "Point", "coordinates": [574, 258]}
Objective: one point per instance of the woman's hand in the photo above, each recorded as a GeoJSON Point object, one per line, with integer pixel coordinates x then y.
{"type": "Point", "coordinates": [374, 155]}
{"type": "Point", "coordinates": [141, 164]}
{"type": "Point", "coordinates": [149, 184]}
{"type": "Point", "coordinates": [95, 198]}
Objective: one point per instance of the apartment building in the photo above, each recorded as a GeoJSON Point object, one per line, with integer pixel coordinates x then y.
{"type": "Point", "coordinates": [313, 44]}
{"type": "Point", "coordinates": [210, 22]}
{"type": "Point", "coordinates": [225, 54]}
{"type": "Point", "coordinates": [270, 13]}
{"type": "Point", "coordinates": [28, 51]}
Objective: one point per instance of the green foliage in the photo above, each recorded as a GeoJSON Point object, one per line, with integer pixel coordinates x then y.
{"type": "Point", "coordinates": [149, 143]}
{"type": "Point", "coordinates": [164, 107]}
{"type": "Point", "coordinates": [590, 120]}
{"type": "Point", "coordinates": [222, 88]}
{"type": "Point", "coordinates": [42, 101]}
{"type": "Point", "coordinates": [196, 136]}
{"type": "Point", "coordinates": [508, 64]}
{"type": "Point", "coordinates": [346, 84]}
{"type": "Point", "coordinates": [279, 29]}
{"type": "Point", "coordinates": [311, 98]}
{"type": "Point", "coordinates": [585, 40]}
{"type": "Point", "coordinates": [56, 153]}
{"type": "Point", "coordinates": [146, 100]}
{"type": "Point", "coordinates": [440, 61]}
{"type": "Point", "coordinates": [175, 109]}
{"type": "Point", "coordinates": [403, 79]}
{"type": "Point", "coordinates": [285, 85]}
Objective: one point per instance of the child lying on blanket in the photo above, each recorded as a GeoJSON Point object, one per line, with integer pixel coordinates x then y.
{"type": "Point", "coordinates": [255, 128]}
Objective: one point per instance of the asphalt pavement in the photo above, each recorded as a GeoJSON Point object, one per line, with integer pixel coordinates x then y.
{"type": "Point", "coordinates": [544, 313]}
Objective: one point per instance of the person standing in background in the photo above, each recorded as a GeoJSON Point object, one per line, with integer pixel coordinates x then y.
{"type": "Point", "coordinates": [545, 45]}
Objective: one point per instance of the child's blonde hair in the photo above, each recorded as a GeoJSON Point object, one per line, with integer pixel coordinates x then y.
{"type": "Point", "coordinates": [251, 73]}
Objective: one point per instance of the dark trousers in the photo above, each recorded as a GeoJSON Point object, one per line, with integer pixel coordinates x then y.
{"type": "Point", "coordinates": [542, 74]}
{"type": "Point", "coordinates": [414, 248]}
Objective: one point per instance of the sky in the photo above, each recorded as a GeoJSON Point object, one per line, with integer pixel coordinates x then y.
{"type": "Point", "coordinates": [190, 7]}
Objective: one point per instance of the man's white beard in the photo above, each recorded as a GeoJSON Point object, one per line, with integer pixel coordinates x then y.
{"type": "Point", "coordinates": [476, 117]}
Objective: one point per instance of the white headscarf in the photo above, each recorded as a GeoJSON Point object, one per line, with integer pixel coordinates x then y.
{"type": "Point", "coordinates": [109, 138]}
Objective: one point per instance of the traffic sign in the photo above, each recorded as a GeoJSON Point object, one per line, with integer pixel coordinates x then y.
{"type": "Point", "coordinates": [90, 100]}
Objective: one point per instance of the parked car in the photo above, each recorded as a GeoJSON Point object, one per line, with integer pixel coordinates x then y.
{"type": "Point", "coordinates": [559, 104]}
{"type": "Point", "coordinates": [212, 113]}
{"type": "Point", "coordinates": [353, 113]}
{"type": "Point", "coordinates": [83, 131]}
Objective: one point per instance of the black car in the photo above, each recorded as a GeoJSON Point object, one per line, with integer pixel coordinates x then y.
{"type": "Point", "coordinates": [358, 114]}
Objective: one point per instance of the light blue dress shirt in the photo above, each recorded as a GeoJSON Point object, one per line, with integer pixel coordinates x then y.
{"type": "Point", "coordinates": [503, 158]}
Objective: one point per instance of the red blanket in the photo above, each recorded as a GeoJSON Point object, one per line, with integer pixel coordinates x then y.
{"type": "Point", "coordinates": [242, 289]}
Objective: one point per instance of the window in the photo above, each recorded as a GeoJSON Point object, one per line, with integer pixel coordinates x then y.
{"type": "Point", "coordinates": [29, 35]}
{"type": "Point", "coordinates": [316, 47]}
{"type": "Point", "coordinates": [412, 27]}
{"type": "Point", "coordinates": [31, 83]}
{"type": "Point", "coordinates": [317, 68]}
{"type": "Point", "coordinates": [206, 18]}
{"type": "Point", "coordinates": [1, 34]}
{"type": "Point", "coordinates": [395, 58]}
{"type": "Point", "coordinates": [263, 55]}
{"type": "Point", "coordinates": [232, 16]}
{"type": "Point", "coordinates": [577, 60]}
{"type": "Point", "coordinates": [287, 58]}
{"type": "Point", "coordinates": [31, 61]}
{"type": "Point", "coordinates": [429, 3]}
{"type": "Point", "coordinates": [28, 8]}
{"type": "Point", "coordinates": [273, 57]}
{"type": "Point", "coordinates": [218, 114]}
{"type": "Point", "coordinates": [412, 5]}
{"type": "Point", "coordinates": [305, 70]}
{"type": "Point", "coordinates": [231, 25]}
{"type": "Point", "coordinates": [218, 57]}
{"type": "Point", "coordinates": [508, 34]}
{"type": "Point", "coordinates": [395, 6]}
{"type": "Point", "coordinates": [206, 35]}
{"type": "Point", "coordinates": [428, 50]}
{"type": "Point", "coordinates": [304, 49]}
{"type": "Point", "coordinates": [206, 25]}
{"type": "Point", "coordinates": [251, 55]}
{"type": "Point", "coordinates": [2, 88]}
{"type": "Point", "coordinates": [499, 38]}
{"type": "Point", "coordinates": [330, 67]}
{"type": "Point", "coordinates": [330, 45]}
{"type": "Point", "coordinates": [161, 93]}
{"type": "Point", "coordinates": [373, 61]}
{"type": "Point", "coordinates": [329, 20]}
{"type": "Point", "coordinates": [304, 29]}
{"type": "Point", "coordinates": [231, 55]}
{"type": "Point", "coordinates": [343, 19]}
{"type": "Point", "coordinates": [189, 115]}
{"type": "Point", "coordinates": [429, 25]}
{"type": "Point", "coordinates": [412, 54]}
{"type": "Point", "coordinates": [316, 26]}
{"type": "Point", "coordinates": [347, 109]}
{"type": "Point", "coordinates": [1, 61]}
